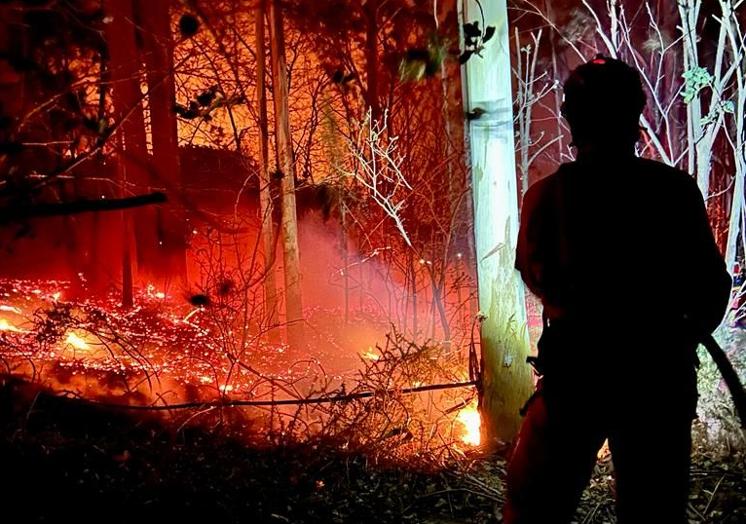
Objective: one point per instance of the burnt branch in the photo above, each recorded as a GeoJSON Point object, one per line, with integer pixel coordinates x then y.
{"type": "Point", "coordinates": [14, 214]}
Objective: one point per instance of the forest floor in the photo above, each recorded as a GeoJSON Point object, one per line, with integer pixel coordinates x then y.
{"type": "Point", "coordinates": [66, 460]}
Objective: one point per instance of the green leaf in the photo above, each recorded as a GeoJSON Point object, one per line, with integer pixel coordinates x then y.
{"type": "Point", "coordinates": [489, 32]}
{"type": "Point", "coordinates": [464, 57]}
{"type": "Point", "coordinates": [695, 79]}
{"type": "Point", "coordinates": [472, 30]}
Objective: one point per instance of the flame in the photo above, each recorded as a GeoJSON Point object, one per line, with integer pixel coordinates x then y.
{"type": "Point", "coordinates": [604, 452]}
{"type": "Point", "coordinates": [7, 326]}
{"type": "Point", "coordinates": [152, 292]}
{"type": "Point", "coordinates": [74, 340]}
{"type": "Point", "coordinates": [11, 309]}
{"type": "Point", "coordinates": [370, 355]}
{"type": "Point", "coordinates": [470, 422]}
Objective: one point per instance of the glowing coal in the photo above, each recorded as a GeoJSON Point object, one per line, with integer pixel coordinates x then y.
{"type": "Point", "coordinates": [165, 351]}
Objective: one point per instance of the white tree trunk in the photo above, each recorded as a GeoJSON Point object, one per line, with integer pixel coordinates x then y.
{"type": "Point", "coordinates": [504, 337]}
{"type": "Point", "coordinates": [699, 148]}
{"type": "Point", "coordinates": [737, 222]}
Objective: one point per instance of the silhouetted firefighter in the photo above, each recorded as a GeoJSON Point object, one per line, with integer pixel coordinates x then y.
{"type": "Point", "coordinates": [620, 251]}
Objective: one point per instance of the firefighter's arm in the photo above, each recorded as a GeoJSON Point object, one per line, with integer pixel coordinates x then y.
{"type": "Point", "coordinates": [710, 283]}
{"type": "Point", "coordinates": [529, 250]}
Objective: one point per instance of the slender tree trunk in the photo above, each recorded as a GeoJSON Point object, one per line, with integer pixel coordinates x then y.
{"type": "Point", "coordinates": [124, 74]}
{"type": "Point", "coordinates": [524, 88]}
{"type": "Point", "coordinates": [371, 57]}
{"type": "Point", "coordinates": [415, 305]}
{"type": "Point", "coordinates": [345, 257]}
{"type": "Point", "coordinates": [737, 222]}
{"type": "Point", "coordinates": [439, 303]}
{"type": "Point", "coordinates": [289, 225]}
{"type": "Point", "coordinates": [123, 216]}
{"type": "Point", "coordinates": [699, 154]}
{"type": "Point", "coordinates": [504, 338]}
{"type": "Point", "coordinates": [171, 244]}
{"type": "Point", "coordinates": [548, 6]}
{"type": "Point", "coordinates": [265, 185]}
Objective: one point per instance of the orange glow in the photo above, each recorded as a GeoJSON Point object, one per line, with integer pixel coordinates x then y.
{"type": "Point", "coordinates": [11, 309]}
{"type": "Point", "coordinates": [470, 423]}
{"type": "Point", "coordinates": [7, 326]}
{"type": "Point", "coordinates": [370, 355]}
{"type": "Point", "coordinates": [604, 452]}
{"type": "Point", "coordinates": [76, 341]}
{"type": "Point", "coordinates": [152, 292]}
{"type": "Point", "coordinates": [182, 346]}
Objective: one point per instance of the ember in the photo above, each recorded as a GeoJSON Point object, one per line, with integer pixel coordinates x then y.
{"type": "Point", "coordinates": [166, 351]}
{"type": "Point", "coordinates": [294, 224]}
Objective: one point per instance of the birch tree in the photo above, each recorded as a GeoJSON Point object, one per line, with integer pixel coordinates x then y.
{"type": "Point", "coordinates": [506, 376]}
{"type": "Point", "coordinates": [736, 48]}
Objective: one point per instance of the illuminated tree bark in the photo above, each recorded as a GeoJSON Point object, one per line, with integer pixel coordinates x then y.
{"type": "Point", "coordinates": [736, 47]}
{"type": "Point", "coordinates": [371, 57]}
{"type": "Point", "coordinates": [124, 74]}
{"type": "Point", "coordinates": [265, 195]}
{"type": "Point", "coordinates": [158, 53]}
{"type": "Point", "coordinates": [289, 224]}
{"type": "Point", "coordinates": [504, 337]}
{"type": "Point", "coordinates": [700, 149]}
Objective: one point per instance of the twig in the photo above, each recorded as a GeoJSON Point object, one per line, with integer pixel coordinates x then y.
{"type": "Point", "coordinates": [286, 402]}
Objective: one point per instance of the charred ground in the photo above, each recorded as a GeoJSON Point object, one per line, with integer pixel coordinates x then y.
{"type": "Point", "coordinates": [69, 460]}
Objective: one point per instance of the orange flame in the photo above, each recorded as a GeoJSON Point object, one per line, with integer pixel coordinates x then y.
{"type": "Point", "coordinates": [7, 326]}
{"type": "Point", "coordinates": [470, 422]}
{"type": "Point", "coordinates": [74, 340]}
{"type": "Point", "coordinates": [370, 355]}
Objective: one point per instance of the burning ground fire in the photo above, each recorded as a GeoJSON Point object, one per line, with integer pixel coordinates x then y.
{"type": "Point", "coordinates": [167, 352]}
{"type": "Point", "coordinates": [471, 424]}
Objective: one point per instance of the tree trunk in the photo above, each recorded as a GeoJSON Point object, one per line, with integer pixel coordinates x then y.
{"type": "Point", "coordinates": [171, 240]}
{"type": "Point", "coordinates": [506, 377]}
{"type": "Point", "coordinates": [371, 58]}
{"type": "Point", "coordinates": [289, 225]}
{"type": "Point", "coordinates": [345, 256]}
{"type": "Point", "coordinates": [265, 194]}
{"type": "Point", "coordinates": [124, 75]}
{"type": "Point", "coordinates": [548, 7]}
{"type": "Point", "coordinates": [737, 222]}
{"type": "Point", "coordinates": [700, 149]}
{"type": "Point", "coordinates": [127, 283]}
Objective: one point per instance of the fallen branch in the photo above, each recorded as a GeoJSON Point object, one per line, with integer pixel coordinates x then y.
{"type": "Point", "coordinates": [14, 214]}
{"type": "Point", "coordinates": [285, 402]}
